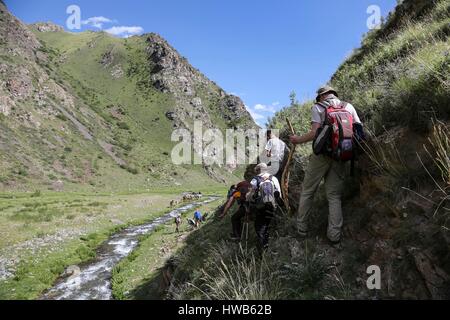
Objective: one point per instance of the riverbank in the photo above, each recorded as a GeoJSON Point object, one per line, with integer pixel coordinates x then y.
{"type": "Point", "coordinates": [43, 234]}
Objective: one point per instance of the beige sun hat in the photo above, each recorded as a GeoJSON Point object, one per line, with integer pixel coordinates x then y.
{"type": "Point", "coordinates": [325, 90]}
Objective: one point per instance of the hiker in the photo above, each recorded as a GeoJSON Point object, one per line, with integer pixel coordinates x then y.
{"type": "Point", "coordinates": [231, 191]}
{"type": "Point", "coordinates": [263, 197]}
{"type": "Point", "coordinates": [332, 130]}
{"type": "Point", "coordinates": [178, 223]}
{"type": "Point", "coordinates": [275, 151]}
{"type": "Point", "coordinates": [198, 218]}
{"type": "Point", "coordinates": [239, 194]}
{"type": "Point", "coordinates": [191, 222]}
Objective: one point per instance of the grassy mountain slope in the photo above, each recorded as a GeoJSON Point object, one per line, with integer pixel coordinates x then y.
{"type": "Point", "coordinates": [396, 208]}
{"type": "Point", "coordinates": [89, 111]}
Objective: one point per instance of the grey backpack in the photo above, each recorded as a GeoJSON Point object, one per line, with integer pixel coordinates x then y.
{"type": "Point", "coordinates": [265, 194]}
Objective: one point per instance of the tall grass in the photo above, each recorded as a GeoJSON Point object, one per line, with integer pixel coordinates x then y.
{"type": "Point", "coordinates": [440, 141]}
{"type": "Point", "coordinates": [440, 156]}
{"type": "Point", "coordinates": [384, 156]}
{"type": "Point", "coordinates": [245, 276]}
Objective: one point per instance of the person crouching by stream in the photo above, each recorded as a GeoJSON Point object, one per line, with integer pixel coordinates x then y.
{"type": "Point", "coordinates": [198, 218]}
{"type": "Point", "coordinates": [238, 195]}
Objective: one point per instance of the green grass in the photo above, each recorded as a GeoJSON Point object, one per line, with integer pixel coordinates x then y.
{"type": "Point", "coordinates": [35, 274]}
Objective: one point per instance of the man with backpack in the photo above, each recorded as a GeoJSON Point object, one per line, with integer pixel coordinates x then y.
{"type": "Point", "coordinates": [275, 151]}
{"type": "Point", "coordinates": [334, 131]}
{"type": "Point", "coordinates": [264, 195]}
{"type": "Point", "coordinates": [239, 195]}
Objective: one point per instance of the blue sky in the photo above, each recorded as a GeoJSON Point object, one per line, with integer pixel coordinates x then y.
{"type": "Point", "coordinates": [259, 50]}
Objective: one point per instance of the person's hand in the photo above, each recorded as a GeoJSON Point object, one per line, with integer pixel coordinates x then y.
{"type": "Point", "coordinates": [294, 140]}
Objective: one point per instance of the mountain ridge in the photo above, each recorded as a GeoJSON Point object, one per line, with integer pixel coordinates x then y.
{"type": "Point", "coordinates": [81, 110]}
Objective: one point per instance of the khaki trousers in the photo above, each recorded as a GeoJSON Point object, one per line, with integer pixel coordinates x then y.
{"type": "Point", "coordinates": [323, 167]}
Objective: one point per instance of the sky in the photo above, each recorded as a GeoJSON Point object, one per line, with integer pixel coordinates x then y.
{"type": "Point", "coordinates": [259, 50]}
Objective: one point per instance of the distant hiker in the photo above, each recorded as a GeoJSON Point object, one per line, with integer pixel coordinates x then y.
{"type": "Point", "coordinates": [275, 151]}
{"type": "Point", "coordinates": [198, 218]}
{"type": "Point", "coordinates": [264, 195]}
{"type": "Point", "coordinates": [239, 194]}
{"type": "Point", "coordinates": [333, 125]}
{"type": "Point", "coordinates": [178, 223]}
{"type": "Point", "coordinates": [191, 222]}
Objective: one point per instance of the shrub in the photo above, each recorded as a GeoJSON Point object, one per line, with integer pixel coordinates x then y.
{"type": "Point", "coordinates": [123, 126]}
{"type": "Point", "coordinates": [36, 194]}
{"type": "Point", "coordinates": [62, 117]}
{"type": "Point", "coordinates": [22, 172]}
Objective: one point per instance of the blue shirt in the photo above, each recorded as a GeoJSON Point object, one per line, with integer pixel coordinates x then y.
{"type": "Point", "coordinates": [198, 215]}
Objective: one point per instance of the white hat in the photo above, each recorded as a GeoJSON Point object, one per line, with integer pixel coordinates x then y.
{"type": "Point", "coordinates": [262, 168]}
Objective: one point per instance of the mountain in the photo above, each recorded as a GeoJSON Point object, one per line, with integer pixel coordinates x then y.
{"type": "Point", "coordinates": [95, 112]}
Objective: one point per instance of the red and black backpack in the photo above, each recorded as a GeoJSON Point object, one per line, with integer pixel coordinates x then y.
{"type": "Point", "coordinates": [335, 137]}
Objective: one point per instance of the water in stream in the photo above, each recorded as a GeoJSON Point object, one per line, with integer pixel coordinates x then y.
{"type": "Point", "coordinates": [93, 283]}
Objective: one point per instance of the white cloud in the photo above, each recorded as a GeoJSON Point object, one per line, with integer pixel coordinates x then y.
{"type": "Point", "coordinates": [255, 115]}
{"type": "Point", "coordinates": [97, 22]}
{"type": "Point", "coordinates": [264, 108]}
{"type": "Point", "coordinates": [124, 31]}
{"type": "Point", "coordinates": [276, 104]}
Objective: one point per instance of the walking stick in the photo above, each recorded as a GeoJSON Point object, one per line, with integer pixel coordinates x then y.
{"type": "Point", "coordinates": [245, 229]}
{"type": "Point", "coordinates": [286, 172]}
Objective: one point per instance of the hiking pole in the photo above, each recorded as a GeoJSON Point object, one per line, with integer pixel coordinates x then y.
{"type": "Point", "coordinates": [245, 229]}
{"type": "Point", "coordinates": [286, 173]}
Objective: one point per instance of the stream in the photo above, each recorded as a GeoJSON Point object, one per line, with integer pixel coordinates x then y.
{"type": "Point", "coordinates": [94, 281]}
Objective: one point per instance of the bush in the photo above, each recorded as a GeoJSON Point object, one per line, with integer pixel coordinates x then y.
{"type": "Point", "coordinates": [123, 126]}
{"type": "Point", "coordinates": [62, 117]}
{"type": "Point", "coordinates": [130, 169]}
{"type": "Point", "coordinates": [36, 194]}
{"type": "Point", "coordinates": [22, 172]}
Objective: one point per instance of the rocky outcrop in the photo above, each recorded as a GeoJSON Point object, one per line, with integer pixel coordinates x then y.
{"type": "Point", "coordinates": [170, 72]}
{"type": "Point", "coordinates": [15, 36]}
{"type": "Point", "coordinates": [233, 109]}
{"type": "Point", "coordinates": [48, 27]}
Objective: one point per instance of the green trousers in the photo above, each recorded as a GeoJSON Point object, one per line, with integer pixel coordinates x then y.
{"type": "Point", "coordinates": [323, 167]}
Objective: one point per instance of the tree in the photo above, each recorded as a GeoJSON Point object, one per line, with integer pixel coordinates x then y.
{"type": "Point", "coordinates": [293, 98]}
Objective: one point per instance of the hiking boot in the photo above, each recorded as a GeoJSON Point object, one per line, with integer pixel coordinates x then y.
{"type": "Point", "coordinates": [335, 244]}
{"type": "Point", "coordinates": [302, 234]}
{"type": "Point", "coordinates": [234, 238]}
